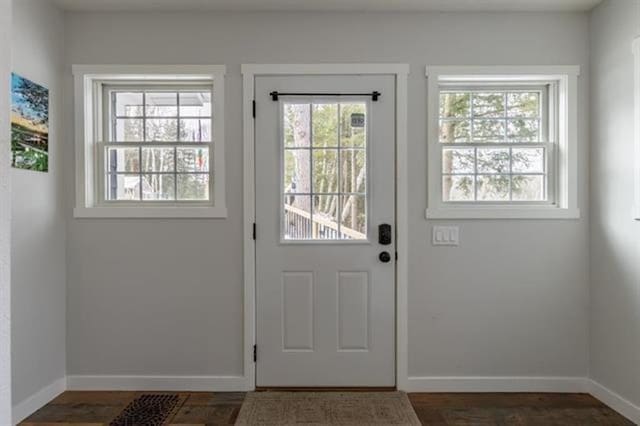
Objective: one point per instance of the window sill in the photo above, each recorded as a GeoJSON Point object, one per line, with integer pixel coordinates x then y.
{"type": "Point", "coordinates": [492, 212]}
{"type": "Point", "coordinates": [150, 212]}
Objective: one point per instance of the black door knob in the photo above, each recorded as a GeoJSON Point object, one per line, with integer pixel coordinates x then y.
{"type": "Point", "coordinates": [385, 257]}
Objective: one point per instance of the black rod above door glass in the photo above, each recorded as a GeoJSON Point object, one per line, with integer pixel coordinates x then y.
{"type": "Point", "coordinates": [374, 95]}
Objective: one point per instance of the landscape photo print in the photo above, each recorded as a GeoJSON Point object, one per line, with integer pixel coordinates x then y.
{"type": "Point", "coordinates": [29, 125]}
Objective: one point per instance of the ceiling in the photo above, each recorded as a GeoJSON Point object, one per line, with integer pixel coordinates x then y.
{"type": "Point", "coordinates": [329, 5]}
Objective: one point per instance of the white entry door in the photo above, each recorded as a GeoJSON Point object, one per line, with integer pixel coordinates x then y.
{"type": "Point", "coordinates": [325, 246]}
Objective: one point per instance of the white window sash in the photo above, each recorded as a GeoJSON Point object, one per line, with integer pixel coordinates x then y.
{"type": "Point", "coordinates": [89, 105]}
{"type": "Point", "coordinates": [561, 158]}
{"type": "Point", "coordinates": [107, 88]}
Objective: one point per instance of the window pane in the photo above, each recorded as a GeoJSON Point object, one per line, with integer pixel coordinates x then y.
{"type": "Point", "coordinates": [493, 160]}
{"type": "Point", "coordinates": [159, 187]}
{"type": "Point", "coordinates": [458, 161]}
{"type": "Point", "coordinates": [523, 130]}
{"type": "Point", "coordinates": [123, 187]}
{"type": "Point", "coordinates": [297, 130]}
{"type": "Point", "coordinates": [489, 123]}
{"type": "Point", "coordinates": [195, 104]}
{"type": "Point", "coordinates": [162, 130]}
{"type": "Point", "coordinates": [325, 215]}
{"type": "Point", "coordinates": [523, 104]}
{"type": "Point", "coordinates": [123, 160]}
{"type": "Point", "coordinates": [354, 217]}
{"type": "Point", "coordinates": [458, 188]}
{"type": "Point", "coordinates": [297, 171]}
{"type": "Point", "coordinates": [455, 105]}
{"type": "Point", "coordinates": [193, 160]}
{"type": "Point", "coordinates": [528, 188]}
{"type": "Point", "coordinates": [318, 178]}
{"type": "Point", "coordinates": [157, 160]}
{"type": "Point", "coordinates": [488, 105]}
{"type": "Point", "coordinates": [455, 131]}
{"type": "Point", "coordinates": [297, 217]}
{"type": "Point", "coordinates": [354, 170]}
{"type": "Point", "coordinates": [488, 130]}
{"type": "Point", "coordinates": [528, 160]}
{"type": "Point", "coordinates": [325, 125]}
{"type": "Point", "coordinates": [195, 130]}
{"type": "Point", "coordinates": [493, 188]}
{"type": "Point", "coordinates": [325, 170]}
{"type": "Point", "coordinates": [128, 130]}
{"type": "Point", "coordinates": [129, 104]}
{"type": "Point", "coordinates": [353, 124]}
{"type": "Point", "coordinates": [193, 187]}
{"type": "Point", "coordinates": [162, 104]}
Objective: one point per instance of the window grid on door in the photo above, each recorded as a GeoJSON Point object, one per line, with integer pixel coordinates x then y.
{"type": "Point", "coordinates": [324, 174]}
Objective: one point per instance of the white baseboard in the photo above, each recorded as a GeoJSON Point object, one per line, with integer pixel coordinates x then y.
{"type": "Point", "coordinates": [31, 404]}
{"type": "Point", "coordinates": [497, 384]}
{"type": "Point", "coordinates": [615, 401]}
{"type": "Point", "coordinates": [240, 383]}
{"type": "Point", "coordinates": [160, 383]}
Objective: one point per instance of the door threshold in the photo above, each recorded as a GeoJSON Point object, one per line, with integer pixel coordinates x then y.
{"type": "Point", "coordinates": [325, 389]}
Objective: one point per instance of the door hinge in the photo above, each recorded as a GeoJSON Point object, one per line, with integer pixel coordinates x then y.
{"type": "Point", "coordinates": [255, 353]}
{"type": "Point", "coordinates": [254, 230]}
{"type": "Point", "coordinates": [254, 109]}
{"type": "Point", "coordinates": [396, 256]}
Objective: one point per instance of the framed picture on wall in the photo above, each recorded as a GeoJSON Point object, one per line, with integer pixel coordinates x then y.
{"type": "Point", "coordinates": [29, 125]}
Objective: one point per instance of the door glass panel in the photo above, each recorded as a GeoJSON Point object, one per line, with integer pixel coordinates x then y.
{"type": "Point", "coordinates": [325, 125]}
{"type": "Point", "coordinates": [297, 217]}
{"type": "Point", "coordinates": [296, 122]}
{"type": "Point", "coordinates": [324, 170]}
{"type": "Point", "coordinates": [354, 216]}
{"type": "Point", "coordinates": [325, 217]}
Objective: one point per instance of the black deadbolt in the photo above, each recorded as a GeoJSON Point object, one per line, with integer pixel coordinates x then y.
{"type": "Point", "coordinates": [385, 257]}
{"type": "Point", "coordinates": [384, 234]}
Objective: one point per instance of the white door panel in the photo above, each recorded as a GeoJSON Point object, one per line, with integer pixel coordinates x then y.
{"type": "Point", "coordinates": [324, 183]}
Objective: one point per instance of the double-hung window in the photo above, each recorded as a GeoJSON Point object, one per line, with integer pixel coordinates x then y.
{"type": "Point", "coordinates": [150, 143]}
{"type": "Point", "coordinates": [501, 145]}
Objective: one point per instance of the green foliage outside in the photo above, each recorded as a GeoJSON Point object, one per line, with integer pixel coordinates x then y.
{"type": "Point", "coordinates": [492, 118]}
{"type": "Point", "coordinates": [325, 159]}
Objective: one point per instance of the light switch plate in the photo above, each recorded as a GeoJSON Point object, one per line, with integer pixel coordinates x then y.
{"type": "Point", "coordinates": [446, 236]}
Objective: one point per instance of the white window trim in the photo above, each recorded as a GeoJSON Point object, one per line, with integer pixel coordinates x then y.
{"type": "Point", "coordinates": [636, 119]}
{"type": "Point", "coordinates": [566, 193]}
{"type": "Point", "coordinates": [85, 79]}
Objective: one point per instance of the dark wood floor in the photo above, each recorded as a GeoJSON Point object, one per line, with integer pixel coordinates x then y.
{"type": "Point", "coordinates": [202, 408]}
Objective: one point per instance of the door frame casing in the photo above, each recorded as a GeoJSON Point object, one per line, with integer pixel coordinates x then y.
{"type": "Point", "coordinates": [249, 74]}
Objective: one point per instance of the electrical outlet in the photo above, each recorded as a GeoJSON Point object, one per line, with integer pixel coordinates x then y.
{"type": "Point", "coordinates": [446, 236]}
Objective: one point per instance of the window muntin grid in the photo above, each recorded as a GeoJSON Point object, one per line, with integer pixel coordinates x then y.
{"type": "Point", "coordinates": [493, 136]}
{"type": "Point", "coordinates": [305, 198]}
{"type": "Point", "coordinates": [170, 123]}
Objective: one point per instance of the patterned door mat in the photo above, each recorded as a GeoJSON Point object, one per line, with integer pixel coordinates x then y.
{"type": "Point", "coordinates": [148, 410]}
{"type": "Point", "coordinates": [327, 408]}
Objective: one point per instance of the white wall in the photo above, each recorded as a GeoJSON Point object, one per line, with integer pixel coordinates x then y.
{"type": "Point", "coordinates": [38, 258]}
{"type": "Point", "coordinates": [615, 236]}
{"type": "Point", "coordinates": [164, 297]}
{"type": "Point", "coordinates": [5, 214]}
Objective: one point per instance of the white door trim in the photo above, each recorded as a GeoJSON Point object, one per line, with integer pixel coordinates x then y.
{"type": "Point", "coordinates": [249, 73]}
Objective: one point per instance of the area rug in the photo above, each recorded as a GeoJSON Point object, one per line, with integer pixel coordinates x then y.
{"type": "Point", "coordinates": [327, 408]}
